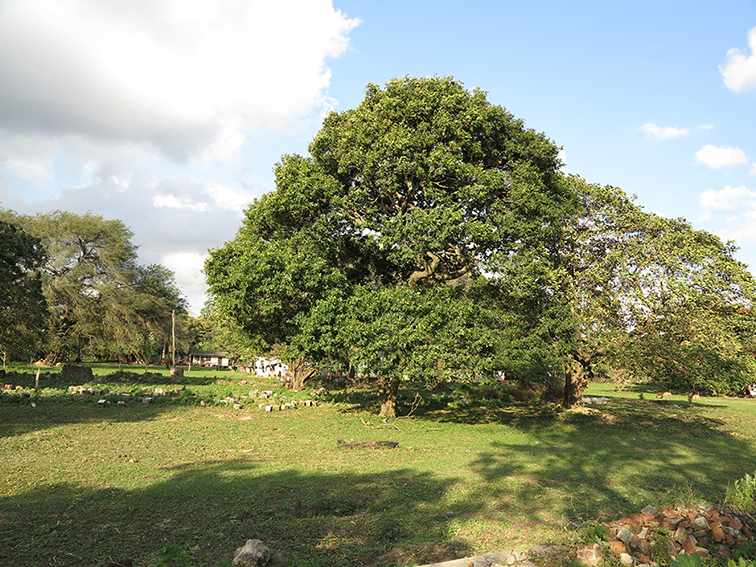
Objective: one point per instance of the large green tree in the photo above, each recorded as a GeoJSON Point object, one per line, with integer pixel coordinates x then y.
{"type": "Point", "coordinates": [102, 303]}
{"type": "Point", "coordinates": [420, 239]}
{"type": "Point", "coordinates": [23, 310]}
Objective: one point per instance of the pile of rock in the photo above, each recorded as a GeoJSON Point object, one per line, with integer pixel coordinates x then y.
{"type": "Point", "coordinates": [277, 404]}
{"type": "Point", "coordinates": [643, 538]}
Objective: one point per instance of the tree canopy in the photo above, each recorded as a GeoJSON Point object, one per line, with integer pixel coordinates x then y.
{"type": "Point", "coordinates": [423, 198]}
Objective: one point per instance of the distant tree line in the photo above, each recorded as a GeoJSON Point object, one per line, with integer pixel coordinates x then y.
{"type": "Point", "coordinates": [429, 237]}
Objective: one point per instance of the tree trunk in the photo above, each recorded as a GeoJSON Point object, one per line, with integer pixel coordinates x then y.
{"type": "Point", "coordinates": [575, 382]}
{"type": "Point", "coordinates": [298, 374]}
{"type": "Point", "coordinates": [388, 389]}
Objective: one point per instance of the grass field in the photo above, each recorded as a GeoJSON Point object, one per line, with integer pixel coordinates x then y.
{"type": "Point", "coordinates": [82, 484]}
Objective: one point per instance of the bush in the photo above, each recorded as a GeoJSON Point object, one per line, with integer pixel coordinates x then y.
{"type": "Point", "coordinates": [741, 495]}
{"type": "Point", "coordinates": [687, 561]}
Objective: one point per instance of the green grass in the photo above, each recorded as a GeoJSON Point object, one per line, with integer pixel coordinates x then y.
{"type": "Point", "coordinates": [87, 485]}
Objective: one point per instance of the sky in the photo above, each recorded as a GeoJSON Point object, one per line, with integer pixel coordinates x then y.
{"type": "Point", "coordinates": [171, 114]}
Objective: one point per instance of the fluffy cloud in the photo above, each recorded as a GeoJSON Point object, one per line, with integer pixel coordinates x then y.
{"type": "Point", "coordinates": [663, 132]}
{"type": "Point", "coordinates": [739, 69]}
{"type": "Point", "coordinates": [717, 157]}
{"type": "Point", "coordinates": [731, 211]}
{"type": "Point", "coordinates": [189, 78]}
{"type": "Point", "coordinates": [143, 106]}
{"type": "Point", "coordinates": [187, 266]}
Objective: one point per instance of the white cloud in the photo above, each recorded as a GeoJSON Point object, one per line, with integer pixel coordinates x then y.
{"type": "Point", "coordinates": [753, 169]}
{"type": "Point", "coordinates": [717, 157]}
{"type": "Point", "coordinates": [144, 105]}
{"type": "Point", "coordinates": [732, 212]}
{"type": "Point", "coordinates": [663, 132]}
{"type": "Point", "coordinates": [739, 69]}
{"type": "Point", "coordinates": [727, 198]}
{"type": "Point", "coordinates": [171, 201]}
{"type": "Point", "coordinates": [233, 199]}
{"type": "Point", "coordinates": [188, 78]}
{"type": "Point", "coordinates": [188, 268]}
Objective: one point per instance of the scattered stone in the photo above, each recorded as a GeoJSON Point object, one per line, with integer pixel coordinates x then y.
{"type": "Point", "coordinates": [590, 555]}
{"type": "Point", "coordinates": [121, 403]}
{"type": "Point", "coordinates": [626, 559]}
{"type": "Point", "coordinates": [254, 553]}
{"type": "Point", "coordinates": [650, 512]}
{"type": "Point", "coordinates": [269, 408]}
{"type": "Point", "coordinates": [146, 400]}
{"type": "Point", "coordinates": [700, 523]}
{"type": "Point", "coordinates": [594, 400]}
{"type": "Point", "coordinates": [103, 402]}
{"type": "Point", "coordinates": [680, 534]}
{"type": "Point", "coordinates": [624, 535]}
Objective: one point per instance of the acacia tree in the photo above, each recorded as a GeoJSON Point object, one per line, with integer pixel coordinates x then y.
{"type": "Point", "coordinates": [102, 304]}
{"type": "Point", "coordinates": [415, 216]}
{"type": "Point", "coordinates": [23, 310]}
{"type": "Point", "coordinates": [655, 298]}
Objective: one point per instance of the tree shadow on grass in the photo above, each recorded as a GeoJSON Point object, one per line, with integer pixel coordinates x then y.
{"type": "Point", "coordinates": [614, 460]}
{"type": "Point", "coordinates": [19, 417]}
{"type": "Point", "coordinates": [209, 509]}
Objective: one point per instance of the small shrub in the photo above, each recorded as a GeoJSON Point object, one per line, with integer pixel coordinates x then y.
{"type": "Point", "coordinates": [746, 551]}
{"type": "Point", "coordinates": [661, 545]}
{"type": "Point", "coordinates": [741, 562]}
{"type": "Point", "coordinates": [593, 532]}
{"type": "Point", "coordinates": [741, 494]}
{"type": "Point", "coordinates": [687, 561]}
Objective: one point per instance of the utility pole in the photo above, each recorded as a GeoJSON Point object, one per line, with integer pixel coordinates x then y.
{"type": "Point", "coordinates": [173, 338]}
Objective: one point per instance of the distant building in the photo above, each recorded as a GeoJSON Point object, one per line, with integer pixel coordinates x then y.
{"type": "Point", "coordinates": [210, 360]}
{"type": "Point", "coordinates": [270, 367]}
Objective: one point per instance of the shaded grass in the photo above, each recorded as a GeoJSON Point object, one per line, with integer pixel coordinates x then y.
{"type": "Point", "coordinates": [84, 485]}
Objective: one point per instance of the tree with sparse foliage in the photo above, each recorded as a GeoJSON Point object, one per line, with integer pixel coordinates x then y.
{"type": "Point", "coordinates": [102, 303]}
{"type": "Point", "coordinates": [420, 240]}
{"type": "Point", "coordinates": [655, 299]}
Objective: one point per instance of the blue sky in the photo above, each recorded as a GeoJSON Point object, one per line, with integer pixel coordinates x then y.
{"type": "Point", "coordinates": [130, 140]}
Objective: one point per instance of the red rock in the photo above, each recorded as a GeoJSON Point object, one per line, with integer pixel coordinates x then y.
{"type": "Point", "coordinates": [643, 558]}
{"type": "Point", "coordinates": [680, 535]}
{"type": "Point", "coordinates": [635, 520]}
{"type": "Point", "coordinates": [689, 545]}
{"type": "Point", "coordinates": [617, 547]}
{"type": "Point", "coordinates": [701, 552]}
{"type": "Point", "coordinates": [735, 523]}
{"type": "Point", "coordinates": [717, 532]}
